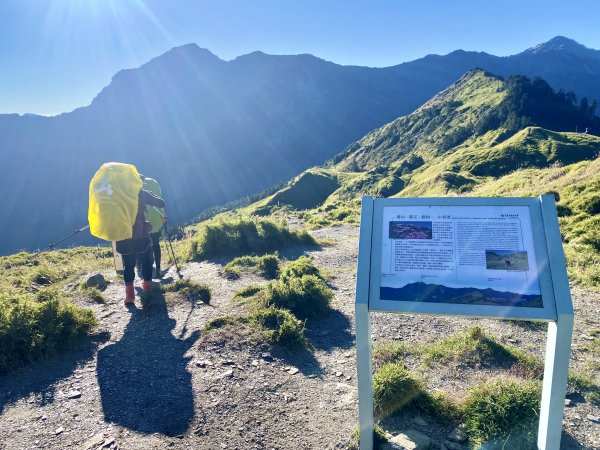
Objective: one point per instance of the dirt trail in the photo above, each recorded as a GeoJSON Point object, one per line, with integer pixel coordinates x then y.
{"type": "Point", "coordinates": [140, 382]}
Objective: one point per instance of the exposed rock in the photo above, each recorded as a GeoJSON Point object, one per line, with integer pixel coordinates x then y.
{"type": "Point", "coordinates": [293, 371]}
{"type": "Point", "coordinates": [595, 419]}
{"type": "Point", "coordinates": [96, 281]}
{"type": "Point", "coordinates": [458, 434]}
{"type": "Point", "coordinates": [94, 441]}
{"type": "Point", "coordinates": [59, 430]}
{"type": "Point", "coordinates": [410, 440]}
{"type": "Point", "coordinates": [73, 395]}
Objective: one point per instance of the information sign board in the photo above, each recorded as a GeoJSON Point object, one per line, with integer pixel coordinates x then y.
{"type": "Point", "coordinates": [474, 257]}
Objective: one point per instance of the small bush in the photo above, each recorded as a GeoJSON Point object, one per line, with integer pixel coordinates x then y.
{"type": "Point", "coordinates": [247, 292]}
{"type": "Point", "coordinates": [503, 414]}
{"type": "Point", "coordinates": [94, 294]}
{"type": "Point", "coordinates": [266, 265]}
{"type": "Point", "coordinates": [306, 296]}
{"type": "Point", "coordinates": [245, 236]}
{"type": "Point", "coordinates": [280, 327]}
{"type": "Point", "coordinates": [47, 294]}
{"type": "Point", "coordinates": [302, 266]}
{"type": "Point", "coordinates": [272, 326]}
{"type": "Point", "coordinates": [394, 387]}
{"type": "Point", "coordinates": [30, 331]}
{"type": "Point", "coordinates": [191, 290]}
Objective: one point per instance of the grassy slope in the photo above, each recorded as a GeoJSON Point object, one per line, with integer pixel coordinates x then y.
{"type": "Point", "coordinates": [440, 150]}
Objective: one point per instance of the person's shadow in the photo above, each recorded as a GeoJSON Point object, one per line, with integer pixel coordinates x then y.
{"type": "Point", "coordinates": [144, 384]}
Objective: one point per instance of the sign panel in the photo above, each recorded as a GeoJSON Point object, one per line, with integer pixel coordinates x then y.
{"type": "Point", "coordinates": [460, 257]}
{"type": "Point", "coordinates": [476, 257]}
{"type": "Point", "coordinates": [464, 255]}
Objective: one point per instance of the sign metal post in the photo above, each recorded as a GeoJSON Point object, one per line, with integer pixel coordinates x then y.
{"type": "Point", "coordinates": [522, 275]}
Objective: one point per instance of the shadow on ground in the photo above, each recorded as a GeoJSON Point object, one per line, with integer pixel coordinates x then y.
{"type": "Point", "coordinates": [331, 332]}
{"type": "Point", "coordinates": [40, 378]}
{"type": "Point", "coordinates": [144, 383]}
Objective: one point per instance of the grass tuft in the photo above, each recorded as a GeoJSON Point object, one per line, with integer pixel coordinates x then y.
{"type": "Point", "coordinates": [267, 266]}
{"type": "Point", "coordinates": [394, 387]}
{"type": "Point", "coordinates": [31, 331]}
{"type": "Point", "coordinates": [503, 414]}
{"type": "Point", "coordinates": [191, 290]}
{"type": "Point", "coordinates": [244, 236]}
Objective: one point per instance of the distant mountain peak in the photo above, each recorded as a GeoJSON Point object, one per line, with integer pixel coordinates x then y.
{"type": "Point", "coordinates": [559, 44]}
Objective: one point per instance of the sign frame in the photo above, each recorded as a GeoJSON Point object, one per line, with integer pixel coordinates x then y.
{"type": "Point", "coordinates": [557, 305]}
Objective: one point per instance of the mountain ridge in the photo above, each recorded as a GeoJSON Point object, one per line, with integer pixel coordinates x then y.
{"type": "Point", "coordinates": [211, 131]}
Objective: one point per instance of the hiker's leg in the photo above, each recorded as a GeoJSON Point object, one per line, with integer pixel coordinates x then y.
{"type": "Point", "coordinates": [146, 259]}
{"type": "Point", "coordinates": [128, 267]}
{"type": "Point", "coordinates": [156, 251]}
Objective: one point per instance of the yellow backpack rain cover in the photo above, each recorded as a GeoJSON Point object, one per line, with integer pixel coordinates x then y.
{"type": "Point", "coordinates": [114, 191]}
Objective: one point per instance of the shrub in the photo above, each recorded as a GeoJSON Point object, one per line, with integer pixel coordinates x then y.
{"type": "Point", "coordinates": [245, 236]}
{"type": "Point", "coordinates": [30, 331]}
{"type": "Point", "coordinates": [191, 290]}
{"type": "Point", "coordinates": [267, 265]}
{"type": "Point", "coordinates": [94, 294]}
{"type": "Point", "coordinates": [503, 414]}
{"type": "Point", "coordinates": [273, 326]}
{"type": "Point", "coordinates": [302, 266]}
{"type": "Point", "coordinates": [306, 296]}
{"type": "Point", "coordinates": [280, 327]}
{"type": "Point", "coordinates": [394, 387]}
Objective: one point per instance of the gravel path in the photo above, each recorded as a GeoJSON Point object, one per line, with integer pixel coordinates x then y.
{"type": "Point", "coordinates": [143, 381]}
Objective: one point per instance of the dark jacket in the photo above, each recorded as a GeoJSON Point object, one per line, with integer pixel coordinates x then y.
{"type": "Point", "coordinates": [140, 239]}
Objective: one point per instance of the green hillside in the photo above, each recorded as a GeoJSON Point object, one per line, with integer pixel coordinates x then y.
{"type": "Point", "coordinates": [482, 136]}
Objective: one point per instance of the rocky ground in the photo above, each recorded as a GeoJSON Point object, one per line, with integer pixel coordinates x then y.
{"type": "Point", "coordinates": [143, 381]}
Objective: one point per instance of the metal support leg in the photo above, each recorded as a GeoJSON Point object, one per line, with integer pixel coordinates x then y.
{"type": "Point", "coordinates": [365, 380]}
{"type": "Point", "coordinates": [556, 370]}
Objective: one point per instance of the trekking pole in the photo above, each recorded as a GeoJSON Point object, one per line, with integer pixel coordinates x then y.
{"type": "Point", "coordinates": [54, 244]}
{"type": "Point", "coordinates": [170, 246]}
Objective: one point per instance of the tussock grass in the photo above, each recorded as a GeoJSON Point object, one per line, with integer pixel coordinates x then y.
{"type": "Point", "coordinates": [94, 294]}
{"type": "Point", "coordinates": [191, 290]}
{"type": "Point", "coordinates": [472, 348]}
{"type": "Point", "coordinates": [302, 266]}
{"type": "Point", "coordinates": [503, 414]}
{"type": "Point", "coordinates": [269, 326]}
{"type": "Point", "coordinates": [31, 331]}
{"type": "Point", "coordinates": [244, 236]}
{"type": "Point", "coordinates": [394, 387]}
{"type": "Point", "coordinates": [267, 266]}
{"type": "Point", "coordinates": [299, 288]}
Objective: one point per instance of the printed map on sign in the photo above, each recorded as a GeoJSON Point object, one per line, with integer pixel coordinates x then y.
{"type": "Point", "coordinates": [475, 255]}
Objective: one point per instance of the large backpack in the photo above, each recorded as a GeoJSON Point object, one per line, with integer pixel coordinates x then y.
{"type": "Point", "coordinates": [113, 207]}
{"type": "Point", "coordinates": [153, 214]}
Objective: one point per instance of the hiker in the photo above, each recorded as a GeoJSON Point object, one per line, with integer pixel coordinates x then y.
{"type": "Point", "coordinates": [157, 218]}
{"type": "Point", "coordinates": [139, 247]}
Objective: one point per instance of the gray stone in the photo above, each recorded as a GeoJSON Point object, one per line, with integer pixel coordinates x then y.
{"type": "Point", "coordinates": [595, 419]}
{"type": "Point", "coordinates": [59, 430]}
{"type": "Point", "coordinates": [97, 281]}
{"type": "Point", "coordinates": [73, 395]}
{"type": "Point", "coordinates": [458, 434]}
{"type": "Point", "coordinates": [409, 440]}
{"type": "Point", "coordinates": [293, 371]}
{"type": "Point", "coordinates": [93, 442]}
{"type": "Point", "coordinates": [568, 402]}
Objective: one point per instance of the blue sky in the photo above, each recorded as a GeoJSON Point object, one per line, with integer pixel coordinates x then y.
{"type": "Point", "coordinates": [56, 55]}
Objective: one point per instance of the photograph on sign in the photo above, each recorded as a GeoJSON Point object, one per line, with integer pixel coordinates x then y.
{"type": "Point", "coordinates": [466, 255]}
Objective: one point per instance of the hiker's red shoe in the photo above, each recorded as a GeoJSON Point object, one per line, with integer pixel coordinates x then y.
{"type": "Point", "coordinates": [129, 293]}
{"type": "Point", "coordinates": [147, 286]}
